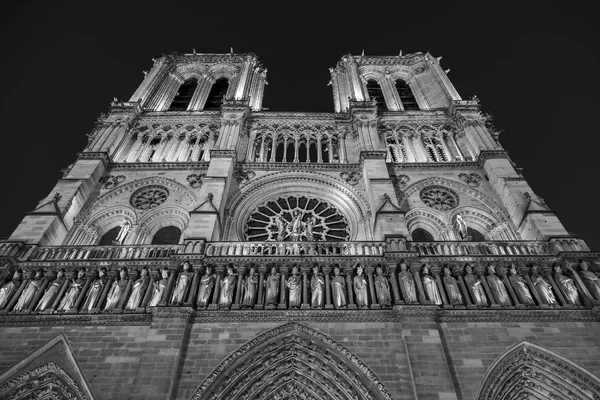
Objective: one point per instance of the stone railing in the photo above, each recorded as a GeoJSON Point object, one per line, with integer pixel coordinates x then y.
{"type": "Point", "coordinates": [75, 253]}
{"type": "Point", "coordinates": [216, 249]}
{"type": "Point", "coordinates": [515, 248]}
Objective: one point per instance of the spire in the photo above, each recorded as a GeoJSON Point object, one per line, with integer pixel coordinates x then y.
{"type": "Point", "coordinates": [363, 53]}
{"type": "Point", "coordinates": [231, 50]}
{"type": "Point", "coordinates": [400, 54]}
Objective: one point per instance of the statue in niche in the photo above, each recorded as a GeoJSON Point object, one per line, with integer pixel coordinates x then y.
{"type": "Point", "coordinates": [69, 299]}
{"type": "Point", "coordinates": [295, 227]}
{"type": "Point", "coordinates": [159, 287]}
{"type": "Point", "coordinates": [117, 290]}
{"type": "Point", "coordinates": [317, 285]}
{"type": "Point", "coordinates": [272, 285]}
{"type": "Point", "coordinates": [382, 287]}
{"type": "Point", "coordinates": [461, 227]}
{"type": "Point", "coordinates": [338, 289]}
{"type": "Point", "coordinates": [497, 287]}
{"type": "Point", "coordinates": [95, 290]}
{"type": "Point", "coordinates": [430, 286]}
{"type": "Point", "coordinates": [281, 224]}
{"type": "Point", "coordinates": [567, 285]}
{"type": "Point", "coordinates": [590, 280]}
{"type": "Point", "coordinates": [308, 227]}
{"type": "Point", "coordinates": [183, 281]}
{"type": "Point", "coordinates": [452, 286]}
{"type": "Point", "coordinates": [138, 290]}
{"type": "Point", "coordinates": [227, 288]}
{"type": "Point", "coordinates": [30, 290]}
{"type": "Point", "coordinates": [475, 285]}
{"type": "Point", "coordinates": [543, 288]}
{"type": "Point", "coordinates": [520, 286]}
{"type": "Point", "coordinates": [124, 229]}
{"type": "Point", "coordinates": [9, 288]}
{"type": "Point", "coordinates": [206, 286]}
{"type": "Point", "coordinates": [408, 283]}
{"type": "Point", "coordinates": [51, 292]}
{"type": "Point", "coordinates": [361, 288]}
{"type": "Point", "coordinates": [294, 283]}
{"type": "Point", "coordinates": [250, 285]}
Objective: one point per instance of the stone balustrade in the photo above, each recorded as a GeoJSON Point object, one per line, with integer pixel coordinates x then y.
{"type": "Point", "coordinates": [216, 249]}
{"type": "Point", "coordinates": [75, 253]}
{"type": "Point", "coordinates": [491, 248]}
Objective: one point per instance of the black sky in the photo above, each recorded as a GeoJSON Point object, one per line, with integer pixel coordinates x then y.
{"type": "Point", "coordinates": [534, 69]}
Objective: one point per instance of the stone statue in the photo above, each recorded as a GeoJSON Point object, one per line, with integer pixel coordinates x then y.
{"type": "Point", "coordinates": [590, 280]}
{"type": "Point", "coordinates": [295, 227]}
{"type": "Point", "coordinates": [52, 291]}
{"type": "Point", "coordinates": [361, 288]}
{"type": "Point", "coordinates": [138, 290]}
{"type": "Point", "coordinates": [497, 287]}
{"type": "Point", "coordinates": [294, 283]}
{"type": "Point", "coordinates": [116, 291]}
{"type": "Point", "coordinates": [272, 286]}
{"type": "Point", "coordinates": [250, 286]}
{"type": "Point", "coordinates": [95, 290]}
{"type": "Point", "coordinates": [159, 288]}
{"type": "Point", "coordinates": [30, 290]}
{"type": "Point", "coordinates": [461, 227]}
{"type": "Point", "coordinates": [309, 228]}
{"type": "Point", "coordinates": [227, 288]}
{"type": "Point", "coordinates": [543, 288]}
{"type": "Point", "coordinates": [206, 286]}
{"type": "Point", "coordinates": [408, 283]}
{"type": "Point", "coordinates": [281, 223]}
{"type": "Point", "coordinates": [183, 281]}
{"type": "Point", "coordinates": [317, 285]}
{"type": "Point", "coordinates": [454, 294]}
{"type": "Point", "coordinates": [430, 286]}
{"type": "Point", "coordinates": [338, 289]}
{"type": "Point", "coordinates": [9, 288]}
{"type": "Point", "coordinates": [520, 286]}
{"type": "Point", "coordinates": [382, 287]}
{"type": "Point", "coordinates": [475, 286]}
{"type": "Point", "coordinates": [68, 300]}
{"type": "Point", "coordinates": [567, 285]}
{"type": "Point", "coordinates": [125, 226]}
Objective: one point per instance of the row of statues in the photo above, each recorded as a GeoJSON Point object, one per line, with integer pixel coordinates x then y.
{"type": "Point", "coordinates": [135, 291]}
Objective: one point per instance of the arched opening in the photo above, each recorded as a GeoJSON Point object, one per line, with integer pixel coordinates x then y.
{"type": "Point", "coordinates": [376, 93]}
{"type": "Point", "coordinates": [406, 96]}
{"type": "Point", "coordinates": [110, 236]}
{"type": "Point", "coordinates": [289, 153]}
{"type": "Point", "coordinates": [313, 153]}
{"type": "Point", "coordinates": [302, 152]}
{"type": "Point", "coordinates": [421, 235]}
{"type": "Point", "coordinates": [216, 94]}
{"type": "Point", "coordinates": [167, 235]}
{"type": "Point", "coordinates": [324, 151]}
{"type": "Point", "coordinates": [279, 152]}
{"type": "Point", "coordinates": [184, 95]}
{"type": "Point", "coordinates": [475, 235]}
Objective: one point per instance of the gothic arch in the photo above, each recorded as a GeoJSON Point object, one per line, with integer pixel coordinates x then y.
{"type": "Point", "coordinates": [292, 360]}
{"type": "Point", "coordinates": [340, 195]}
{"type": "Point", "coordinates": [432, 222]}
{"type": "Point", "coordinates": [159, 218]}
{"type": "Point", "coordinates": [188, 71]}
{"type": "Point", "coordinates": [222, 71]}
{"type": "Point", "coordinates": [527, 370]}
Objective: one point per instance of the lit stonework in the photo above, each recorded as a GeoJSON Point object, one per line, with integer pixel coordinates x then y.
{"type": "Point", "coordinates": [201, 247]}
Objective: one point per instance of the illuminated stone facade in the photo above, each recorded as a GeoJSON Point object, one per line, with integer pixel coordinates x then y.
{"type": "Point", "coordinates": [201, 247]}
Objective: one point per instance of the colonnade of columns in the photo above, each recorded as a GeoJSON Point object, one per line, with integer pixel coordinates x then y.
{"type": "Point", "coordinates": [279, 148]}
{"type": "Point", "coordinates": [170, 147]}
{"type": "Point", "coordinates": [407, 147]}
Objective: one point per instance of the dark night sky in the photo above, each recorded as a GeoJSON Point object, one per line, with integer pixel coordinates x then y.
{"type": "Point", "coordinates": [534, 69]}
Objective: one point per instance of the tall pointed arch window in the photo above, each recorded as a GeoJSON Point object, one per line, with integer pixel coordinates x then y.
{"type": "Point", "coordinates": [216, 94]}
{"type": "Point", "coordinates": [167, 235]}
{"type": "Point", "coordinates": [434, 149]}
{"type": "Point", "coordinates": [421, 235]}
{"type": "Point", "coordinates": [406, 96]}
{"type": "Point", "coordinates": [376, 93]}
{"type": "Point", "coordinates": [396, 150]}
{"type": "Point", "coordinates": [110, 236]}
{"type": "Point", "coordinates": [184, 96]}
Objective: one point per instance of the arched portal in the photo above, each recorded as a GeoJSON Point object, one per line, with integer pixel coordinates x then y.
{"type": "Point", "coordinates": [529, 371]}
{"type": "Point", "coordinates": [292, 361]}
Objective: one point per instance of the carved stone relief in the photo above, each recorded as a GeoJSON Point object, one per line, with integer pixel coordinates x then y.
{"type": "Point", "coordinates": [351, 177]}
{"type": "Point", "coordinates": [196, 180]}
{"type": "Point", "coordinates": [112, 181]}
{"type": "Point", "coordinates": [471, 179]}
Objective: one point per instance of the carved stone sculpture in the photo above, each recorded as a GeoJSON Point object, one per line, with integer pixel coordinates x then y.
{"type": "Point", "coordinates": [183, 281]}
{"type": "Point", "coordinates": [272, 286]}
{"type": "Point", "coordinates": [430, 286]}
{"type": "Point", "coordinates": [408, 283]}
{"type": "Point", "coordinates": [361, 288]}
{"type": "Point", "coordinates": [68, 300]}
{"type": "Point", "coordinates": [317, 285]}
{"type": "Point", "coordinates": [338, 289]}
{"type": "Point", "coordinates": [475, 286]}
{"type": "Point", "coordinates": [116, 291]}
{"type": "Point", "coordinates": [520, 286]}
{"type": "Point", "coordinates": [227, 288]}
{"type": "Point", "coordinates": [250, 288]}
{"type": "Point", "coordinates": [382, 287]}
{"type": "Point", "coordinates": [206, 286]}
{"type": "Point", "coordinates": [159, 288]}
{"type": "Point", "coordinates": [497, 287]}
{"type": "Point", "coordinates": [30, 290]}
{"type": "Point", "coordinates": [9, 288]}
{"type": "Point", "coordinates": [294, 284]}
{"type": "Point", "coordinates": [543, 288]}
{"type": "Point", "coordinates": [590, 280]}
{"type": "Point", "coordinates": [124, 229]}
{"type": "Point", "coordinates": [454, 294]}
{"type": "Point", "coordinates": [138, 290]}
{"type": "Point", "coordinates": [567, 285]}
{"type": "Point", "coordinates": [51, 291]}
{"type": "Point", "coordinates": [95, 290]}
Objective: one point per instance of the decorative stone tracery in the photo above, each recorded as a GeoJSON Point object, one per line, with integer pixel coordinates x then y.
{"type": "Point", "coordinates": [149, 197]}
{"type": "Point", "coordinates": [439, 198]}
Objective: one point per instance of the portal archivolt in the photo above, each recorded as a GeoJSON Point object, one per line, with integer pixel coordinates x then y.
{"type": "Point", "coordinates": [292, 362]}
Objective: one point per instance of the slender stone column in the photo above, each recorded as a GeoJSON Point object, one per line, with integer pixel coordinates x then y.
{"type": "Point", "coordinates": [147, 295]}
{"type": "Point", "coordinates": [58, 298]}
{"type": "Point", "coordinates": [124, 297]}
{"type": "Point", "coordinates": [81, 296]}
{"type": "Point", "coordinates": [282, 289]}
{"type": "Point", "coordinates": [260, 304]}
{"type": "Point", "coordinates": [558, 292]}
{"type": "Point", "coordinates": [465, 291]}
{"type": "Point", "coordinates": [326, 272]}
{"type": "Point", "coordinates": [238, 293]}
{"type": "Point", "coordinates": [410, 151]}
{"type": "Point", "coordinates": [215, 301]}
{"type": "Point", "coordinates": [296, 150]}
{"type": "Point", "coordinates": [374, 303]}
{"type": "Point", "coordinates": [98, 306]}
{"type": "Point", "coordinates": [350, 288]}
{"type": "Point", "coordinates": [342, 144]}
{"type": "Point", "coordinates": [393, 279]}
{"type": "Point", "coordinates": [488, 292]}
{"type": "Point", "coordinates": [419, 284]}
{"type": "Point", "coordinates": [191, 298]}
{"type": "Point", "coordinates": [511, 291]}
{"type": "Point", "coordinates": [534, 292]}
{"type": "Point", "coordinates": [305, 303]}
{"type": "Point", "coordinates": [319, 155]}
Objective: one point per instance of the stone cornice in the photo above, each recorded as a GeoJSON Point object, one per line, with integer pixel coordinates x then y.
{"type": "Point", "coordinates": [75, 319]}
{"type": "Point", "coordinates": [300, 167]}
{"type": "Point", "coordinates": [296, 315]}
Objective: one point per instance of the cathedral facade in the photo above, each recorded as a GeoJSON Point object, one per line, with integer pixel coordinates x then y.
{"type": "Point", "coordinates": [202, 247]}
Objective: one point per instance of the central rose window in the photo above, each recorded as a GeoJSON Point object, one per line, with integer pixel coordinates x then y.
{"type": "Point", "coordinates": [296, 219]}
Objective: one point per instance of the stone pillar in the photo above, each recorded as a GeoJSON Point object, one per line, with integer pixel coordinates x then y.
{"type": "Point", "coordinates": [215, 301]}
{"type": "Point", "coordinates": [393, 279]}
{"type": "Point", "coordinates": [305, 303]}
{"type": "Point", "coordinates": [374, 303]}
{"type": "Point", "coordinates": [237, 304]}
{"type": "Point", "coordinates": [415, 267]}
{"type": "Point", "coordinates": [282, 292]}
{"type": "Point", "coordinates": [350, 289]}
{"type": "Point", "coordinates": [260, 304]}
{"type": "Point", "coordinates": [326, 272]}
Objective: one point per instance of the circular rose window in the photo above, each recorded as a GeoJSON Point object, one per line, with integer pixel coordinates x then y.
{"type": "Point", "coordinates": [149, 197]}
{"type": "Point", "coordinates": [439, 198]}
{"type": "Point", "coordinates": [296, 219]}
